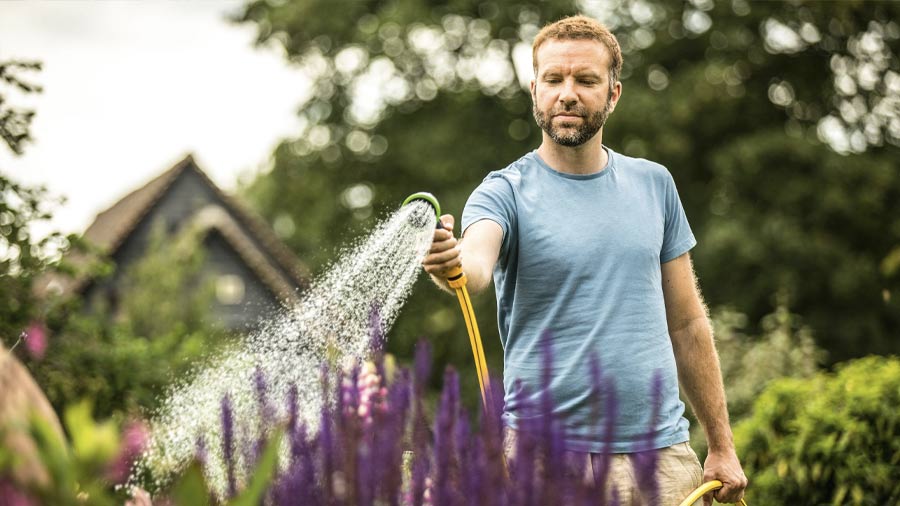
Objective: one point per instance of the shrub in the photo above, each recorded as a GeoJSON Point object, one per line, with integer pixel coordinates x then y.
{"type": "Point", "coordinates": [783, 349]}
{"type": "Point", "coordinates": [831, 439]}
{"type": "Point", "coordinates": [123, 359]}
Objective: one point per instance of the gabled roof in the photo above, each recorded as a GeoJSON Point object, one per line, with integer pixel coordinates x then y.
{"type": "Point", "coordinates": [241, 228]}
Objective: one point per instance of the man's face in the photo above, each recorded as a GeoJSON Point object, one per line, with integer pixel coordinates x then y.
{"type": "Point", "coordinates": [571, 92]}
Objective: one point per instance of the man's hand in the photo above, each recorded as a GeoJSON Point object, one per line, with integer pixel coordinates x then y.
{"type": "Point", "coordinates": [723, 465]}
{"type": "Point", "coordinates": [444, 253]}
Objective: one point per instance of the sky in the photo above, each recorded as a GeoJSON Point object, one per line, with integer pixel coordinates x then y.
{"type": "Point", "coordinates": [130, 88]}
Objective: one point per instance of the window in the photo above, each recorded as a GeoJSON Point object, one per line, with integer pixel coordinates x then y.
{"type": "Point", "coordinates": [230, 289]}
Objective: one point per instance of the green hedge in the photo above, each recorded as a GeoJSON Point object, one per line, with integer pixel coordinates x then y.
{"type": "Point", "coordinates": [831, 439]}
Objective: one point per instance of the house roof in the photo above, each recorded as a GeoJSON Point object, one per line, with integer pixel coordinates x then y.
{"type": "Point", "coordinates": [241, 228]}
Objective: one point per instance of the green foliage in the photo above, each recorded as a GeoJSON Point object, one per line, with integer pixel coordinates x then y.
{"type": "Point", "coordinates": [79, 469]}
{"type": "Point", "coordinates": [23, 257]}
{"type": "Point", "coordinates": [783, 349]}
{"type": "Point", "coordinates": [164, 292]}
{"type": "Point", "coordinates": [191, 488]}
{"type": "Point", "coordinates": [124, 361]}
{"type": "Point", "coordinates": [93, 443]}
{"type": "Point", "coordinates": [15, 122]}
{"type": "Point", "coordinates": [828, 440]}
{"type": "Point", "coordinates": [77, 472]}
{"type": "Point", "coordinates": [736, 117]}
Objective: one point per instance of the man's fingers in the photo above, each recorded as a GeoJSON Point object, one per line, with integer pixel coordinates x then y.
{"type": "Point", "coordinates": [440, 257]}
{"type": "Point", "coordinates": [444, 253]}
{"type": "Point", "coordinates": [442, 234]}
{"type": "Point", "coordinates": [707, 499]}
{"type": "Point", "coordinates": [731, 492]}
{"type": "Point", "coordinates": [448, 222]}
{"type": "Point", "coordinates": [727, 497]}
{"type": "Point", "coordinates": [439, 269]}
{"type": "Point", "coordinates": [439, 246]}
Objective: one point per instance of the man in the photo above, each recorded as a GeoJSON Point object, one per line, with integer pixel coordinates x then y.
{"type": "Point", "coordinates": [590, 247]}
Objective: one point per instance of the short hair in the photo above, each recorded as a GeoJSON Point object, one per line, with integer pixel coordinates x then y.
{"type": "Point", "coordinates": [581, 28]}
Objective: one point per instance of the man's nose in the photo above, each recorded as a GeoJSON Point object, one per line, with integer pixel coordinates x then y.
{"type": "Point", "coordinates": [567, 95]}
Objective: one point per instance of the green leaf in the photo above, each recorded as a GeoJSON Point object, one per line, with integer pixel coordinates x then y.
{"type": "Point", "coordinates": [191, 488]}
{"type": "Point", "coordinates": [92, 443]}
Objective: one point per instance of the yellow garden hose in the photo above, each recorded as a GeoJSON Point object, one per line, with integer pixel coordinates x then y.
{"type": "Point", "coordinates": [456, 279]}
{"type": "Point", "coordinates": [703, 490]}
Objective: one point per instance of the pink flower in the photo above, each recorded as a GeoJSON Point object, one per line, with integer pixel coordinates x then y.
{"type": "Point", "coordinates": [134, 440]}
{"type": "Point", "coordinates": [12, 496]}
{"type": "Point", "coordinates": [372, 396]}
{"type": "Point", "coordinates": [36, 340]}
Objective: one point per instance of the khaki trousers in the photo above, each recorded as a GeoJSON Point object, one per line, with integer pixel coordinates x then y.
{"type": "Point", "coordinates": [678, 473]}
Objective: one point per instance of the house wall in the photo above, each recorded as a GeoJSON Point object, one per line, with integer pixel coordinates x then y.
{"type": "Point", "coordinates": [258, 302]}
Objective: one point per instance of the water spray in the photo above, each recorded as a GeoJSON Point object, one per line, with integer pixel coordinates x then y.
{"type": "Point", "coordinates": [456, 279]}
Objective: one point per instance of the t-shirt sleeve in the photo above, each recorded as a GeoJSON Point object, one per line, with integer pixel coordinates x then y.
{"type": "Point", "coordinates": [677, 236]}
{"type": "Point", "coordinates": [492, 200]}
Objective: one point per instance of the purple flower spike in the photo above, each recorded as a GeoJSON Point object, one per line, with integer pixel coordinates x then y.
{"type": "Point", "coordinates": [266, 410]}
{"type": "Point", "coordinates": [228, 444]}
{"type": "Point", "coordinates": [293, 408]}
{"type": "Point", "coordinates": [423, 364]}
{"type": "Point", "coordinates": [445, 477]}
{"type": "Point", "coordinates": [376, 328]}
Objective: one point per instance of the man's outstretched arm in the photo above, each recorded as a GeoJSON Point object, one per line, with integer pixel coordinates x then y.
{"type": "Point", "coordinates": [700, 375]}
{"type": "Point", "coordinates": [480, 247]}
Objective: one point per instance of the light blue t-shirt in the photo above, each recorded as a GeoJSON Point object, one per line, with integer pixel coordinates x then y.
{"type": "Point", "coordinates": [580, 265]}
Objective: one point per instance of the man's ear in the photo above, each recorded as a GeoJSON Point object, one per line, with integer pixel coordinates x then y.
{"type": "Point", "coordinates": [615, 95]}
{"type": "Point", "coordinates": [533, 96]}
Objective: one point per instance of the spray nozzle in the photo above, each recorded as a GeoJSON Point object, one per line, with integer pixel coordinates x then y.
{"type": "Point", "coordinates": [420, 220]}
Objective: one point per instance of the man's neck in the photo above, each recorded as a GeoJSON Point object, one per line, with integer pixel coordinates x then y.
{"type": "Point", "coordinates": [587, 158]}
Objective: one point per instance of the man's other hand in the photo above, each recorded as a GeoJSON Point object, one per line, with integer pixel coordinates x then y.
{"type": "Point", "coordinates": [723, 465]}
{"type": "Point", "coordinates": [444, 253]}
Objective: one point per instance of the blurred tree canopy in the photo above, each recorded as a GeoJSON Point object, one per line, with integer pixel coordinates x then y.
{"type": "Point", "coordinates": [15, 121]}
{"type": "Point", "coordinates": [780, 122]}
{"type": "Point", "coordinates": [23, 256]}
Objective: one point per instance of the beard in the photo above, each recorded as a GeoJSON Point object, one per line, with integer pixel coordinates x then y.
{"type": "Point", "coordinates": [591, 124]}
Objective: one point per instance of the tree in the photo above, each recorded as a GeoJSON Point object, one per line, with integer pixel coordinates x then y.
{"type": "Point", "coordinates": [23, 257]}
{"type": "Point", "coordinates": [744, 117]}
{"type": "Point", "coordinates": [734, 97]}
{"type": "Point", "coordinates": [15, 121]}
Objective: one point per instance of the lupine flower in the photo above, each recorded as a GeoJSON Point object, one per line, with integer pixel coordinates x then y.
{"type": "Point", "coordinates": [228, 444]}
{"type": "Point", "coordinates": [357, 455]}
{"type": "Point", "coordinates": [372, 395]}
